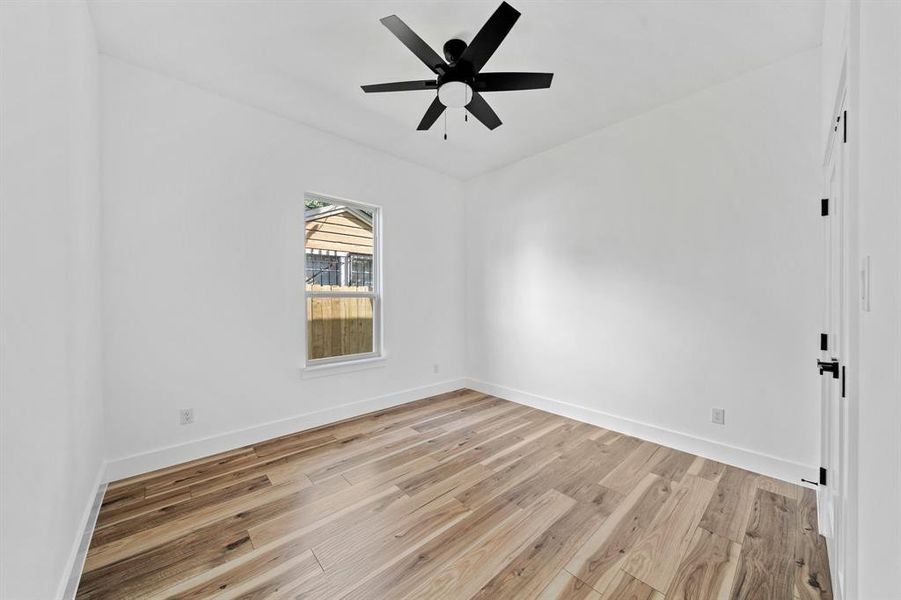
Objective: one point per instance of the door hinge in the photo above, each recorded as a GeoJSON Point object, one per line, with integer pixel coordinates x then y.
{"type": "Point", "coordinates": [843, 381]}
{"type": "Point", "coordinates": [845, 127]}
{"type": "Point", "coordinates": [822, 475]}
{"type": "Point", "coordinates": [824, 342]}
{"type": "Point", "coordinates": [824, 207]}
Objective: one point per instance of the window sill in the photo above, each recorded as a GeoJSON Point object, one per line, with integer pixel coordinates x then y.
{"type": "Point", "coordinates": [338, 368]}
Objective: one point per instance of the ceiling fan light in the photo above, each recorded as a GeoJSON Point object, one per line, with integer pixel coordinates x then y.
{"type": "Point", "coordinates": [454, 94]}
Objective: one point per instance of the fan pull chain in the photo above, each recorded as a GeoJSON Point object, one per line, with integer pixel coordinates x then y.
{"type": "Point", "coordinates": [445, 125]}
{"type": "Point", "coordinates": [466, 114]}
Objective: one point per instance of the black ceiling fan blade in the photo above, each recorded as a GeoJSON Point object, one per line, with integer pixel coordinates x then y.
{"type": "Point", "coordinates": [505, 82]}
{"type": "Point", "coordinates": [401, 86]}
{"type": "Point", "coordinates": [415, 43]}
{"type": "Point", "coordinates": [490, 36]}
{"type": "Point", "coordinates": [431, 115]}
{"type": "Point", "coordinates": [478, 108]}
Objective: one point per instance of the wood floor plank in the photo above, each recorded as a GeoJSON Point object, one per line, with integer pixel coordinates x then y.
{"type": "Point", "coordinates": [456, 496]}
{"type": "Point", "coordinates": [550, 438]}
{"type": "Point", "coordinates": [771, 536]}
{"type": "Point", "coordinates": [386, 470]}
{"type": "Point", "coordinates": [777, 486]}
{"type": "Point", "coordinates": [485, 413]}
{"type": "Point", "coordinates": [117, 512]}
{"type": "Point", "coordinates": [625, 587]}
{"type": "Point", "coordinates": [602, 459]}
{"type": "Point", "coordinates": [282, 467]}
{"type": "Point", "coordinates": [337, 496]}
{"type": "Point", "coordinates": [428, 448]}
{"type": "Point", "coordinates": [729, 509]}
{"type": "Point", "coordinates": [633, 468]}
{"type": "Point", "coordinates": [372, 557]}
{"type": "Point", "coordinates": [203, 548]}
{"type": "Point", "coordinates": [151, 571]}
{"type": "Point", "coordinates": [584, 457]}
{"type": "Point", "coordinates": [273, 582]}
{"type": "Point", "coordinates": [166, 515]}
{"type": "Point", "coordinates": [310, 459]}
{"type": "Point", "coordinates": [537, 564]}
{"type": "Point", "coordinates": [503, 479]}
{"type": "Point", "coordinates": [366, 455]}
{"type": "Point", "coordinates": [811, 564]}
{"type": "Point", "coordinates": [324, 527]}
{"type": "Point", "coordinates": [673, 465]}
{"type": "Point", "coordinates": [568, 587]}
{"type": "Point", "coordinates": [405, 575]}
{"type": "Point", "coordinates": [707, 569]}
{"type": "Point", "coordinates": [462, 460]}
{"type": "Point", "coordinates": [707, 469]}
{"type": "Point", "coordinates": [187, 478]}
{"type": "Point", "coordinates": [655, 557]}
{"type": "Point", "coordinates": [598, 561]}
{"type": "Point", "coordinates": [230, 578]}
{"type": "Point", "coordinates": [479, 438]}
{"type": "Point", "coordinates": [332, 551]}
{"type": "Point", "coordinates": [452, 484]}
{"type": "Point", "coordinates": [465, 576]}
{"type": "Point", "coordinates": [280, 497]}
{"type": "Point", "coordinates": [137, 481]}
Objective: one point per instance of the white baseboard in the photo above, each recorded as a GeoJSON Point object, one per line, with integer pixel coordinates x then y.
{"type": "Point", "coordinates": [179, 453]}
{"type": "Point", "coordinates": [71, 575]}
{"type": "Point", "coordinates": [751, 460]}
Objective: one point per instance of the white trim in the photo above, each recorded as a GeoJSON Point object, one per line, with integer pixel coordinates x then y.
{"type": "Point", "coordinates": [315, 369]}
{"type": "Point", "coordinates": [71, 575]}
{"type": "Point", "coordinates": [314, 195]}
{"type": "Point", "coordinates": [331, 294]}
{"type": "Point", "coordinates": [179, 453]}
{"type": "Point", "coordinates": [744, 458]}
{"type": "Point", "coordinates": [343, 359]}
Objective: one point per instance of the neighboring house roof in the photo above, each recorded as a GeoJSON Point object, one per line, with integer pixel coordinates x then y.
{"type": "Point", "coordinates": [324, 211]}
{"type": "Point", "coordinates": [339, 229]}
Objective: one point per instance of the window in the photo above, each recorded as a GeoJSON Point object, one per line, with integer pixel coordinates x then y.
{"type": "Point", "coordinates": [341, 278]}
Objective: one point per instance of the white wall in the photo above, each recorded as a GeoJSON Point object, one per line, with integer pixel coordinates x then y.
{"type": "Point", "coordinates": [203, 263]}
{"type": "Point", "coordinates": [49, 289]}
{"type": "Point", "coordinates": [664, 266]}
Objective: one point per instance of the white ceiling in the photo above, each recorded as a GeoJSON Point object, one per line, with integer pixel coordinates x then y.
{"type": "Point", "coordinates": [305, 60]}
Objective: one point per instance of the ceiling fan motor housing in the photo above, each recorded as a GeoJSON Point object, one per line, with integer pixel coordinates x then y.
{"type": "Point", "coordinates": [453, 50]}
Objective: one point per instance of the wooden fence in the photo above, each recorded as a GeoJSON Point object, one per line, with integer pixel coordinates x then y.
{"type": "Point", "coordinates": [338, 326]}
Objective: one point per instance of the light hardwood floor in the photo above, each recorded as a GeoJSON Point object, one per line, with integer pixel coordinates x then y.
{"type": "Point", "coordinates": [458, 496]}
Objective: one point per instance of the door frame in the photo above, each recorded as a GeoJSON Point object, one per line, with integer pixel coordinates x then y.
{"type": "Point", "coordinates": [844, 582]}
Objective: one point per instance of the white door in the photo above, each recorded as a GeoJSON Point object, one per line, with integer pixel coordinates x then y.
{"type": "Point", "coordinates": [835, 419]}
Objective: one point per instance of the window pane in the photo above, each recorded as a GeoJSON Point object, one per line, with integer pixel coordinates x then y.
{"type": "Point", "coordinates": [338, 326]}
{"type": "Point", "coordinates": [339, 247]}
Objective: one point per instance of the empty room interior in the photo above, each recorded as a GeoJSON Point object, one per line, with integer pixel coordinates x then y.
{"type": "Point", "coordinates": [414, 300]}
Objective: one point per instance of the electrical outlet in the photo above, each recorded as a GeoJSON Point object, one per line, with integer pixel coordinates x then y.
{"type": "Point", "coordinates": [436, 368]}
{"type": "Point", "coordinates": [718, 416]}
{"type": "Point", "coordinates": [186, 416]}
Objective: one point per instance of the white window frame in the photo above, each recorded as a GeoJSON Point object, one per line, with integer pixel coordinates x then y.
{"type": "Point", "coordinates": [375, 295]}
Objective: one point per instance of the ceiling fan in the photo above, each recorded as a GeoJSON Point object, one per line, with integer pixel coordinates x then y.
{"type": "Point", "coordinates": [459, 81]}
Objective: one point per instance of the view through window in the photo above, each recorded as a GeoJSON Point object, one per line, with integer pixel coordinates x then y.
{"type": "Point", "coordinates": [342, 292]}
